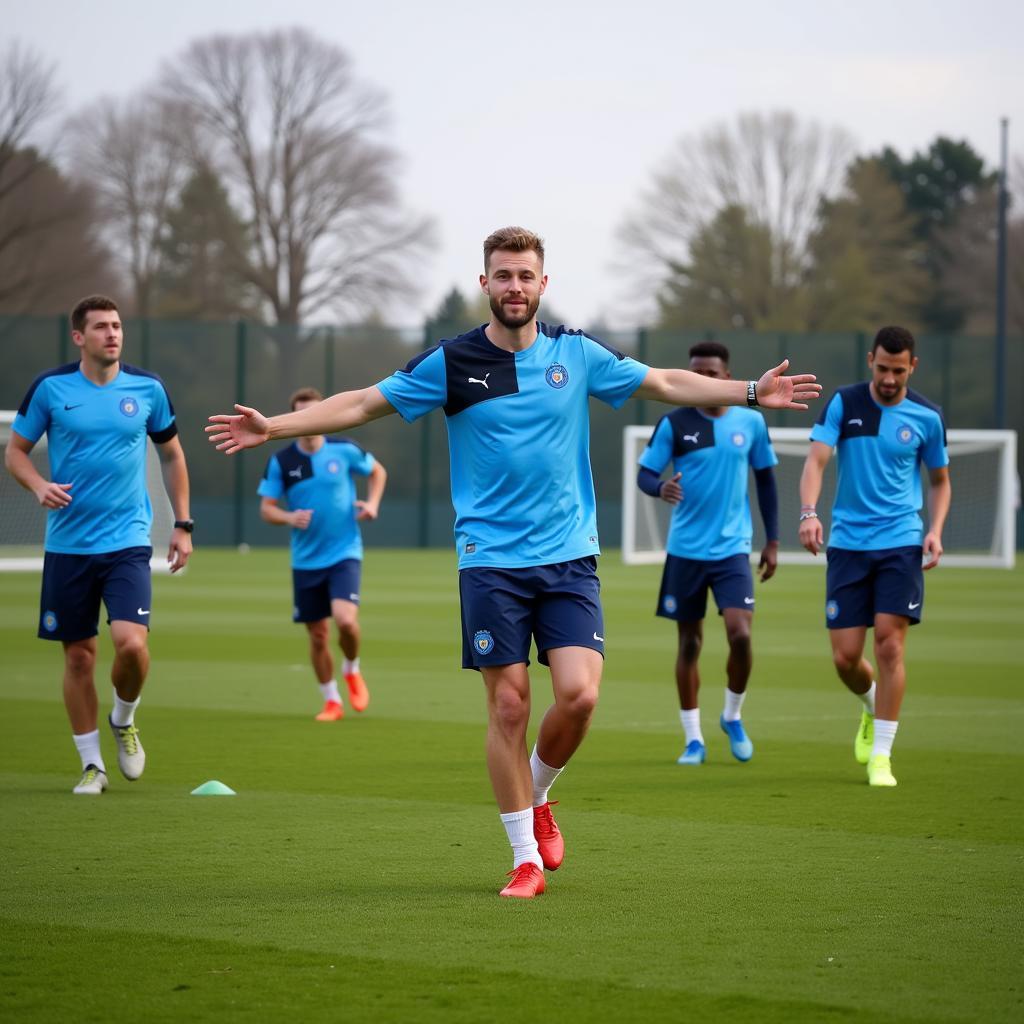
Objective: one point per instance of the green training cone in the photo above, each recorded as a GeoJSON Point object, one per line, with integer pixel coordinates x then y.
{"type": "Point", "coordinates": [213, 788]}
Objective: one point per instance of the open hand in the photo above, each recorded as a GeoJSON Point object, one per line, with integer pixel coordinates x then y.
{"type": "Point", "coordinates": [774, 391]}
{"type": "Point", "coordinates": [247, 429]}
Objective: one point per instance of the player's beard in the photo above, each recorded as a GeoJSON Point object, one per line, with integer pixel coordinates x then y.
{"type": "Point", "coordinates": [515, 320]}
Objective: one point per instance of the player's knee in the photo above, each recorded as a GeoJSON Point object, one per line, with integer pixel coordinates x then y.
{"type": "Point", "coordinates": [739, 642]}
{"type": "Point", "coordinates": [319, 637]}
{"type": "Point", "coordinates": [510, 709]}
{"type": "Point", "coordinates": [580, 703]}
{"type": "Point", "coordinates": [690, 645]}
{"type": "Point", "coordinates": [347, 622]}
{"type": "Point", "coordinates": [132, 647]}
{"type": "Point", "coordinates": [889, 648]}
{"type": "Point", "coordinates": [845, 661]}
{"type": "Point", "coordinates": [80, 661]}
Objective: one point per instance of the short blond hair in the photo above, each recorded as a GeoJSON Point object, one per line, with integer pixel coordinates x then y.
{"type": "Point", "coordinates": [304, 395]}
{"type": "Point", "coordinates": [512, 239]}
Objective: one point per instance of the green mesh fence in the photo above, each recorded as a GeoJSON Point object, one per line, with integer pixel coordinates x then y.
{"type": "Point", "coordinates": [208, 366]}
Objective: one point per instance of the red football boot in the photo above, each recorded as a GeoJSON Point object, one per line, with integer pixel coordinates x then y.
{"type": "Point", "coordinates": [549, 838]}
{"type": "Point", "coordinates": [527, 882]}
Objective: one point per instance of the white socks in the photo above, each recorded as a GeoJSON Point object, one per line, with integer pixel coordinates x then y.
{"type": "Point", "coordinates": [733, 704]}
{"type": "Point", "coordinates": [868, 699]}
{"type": "Point", "coordinates": [885, 733]}
{"type": "Point", "coordinates": [329, 691]}
{"type": "Point", "coordinates": [691, 725]}
{"type": "Point", "coordinates": [519, 828]}
{"type": "Point", "coordinates": [88, 744]}
{"type": "Point", "coordinates": [543, 779]}
{"type": "Point", "coordinates": [123, 712]}
{"type": "Point", "coordinates": [348, 667]}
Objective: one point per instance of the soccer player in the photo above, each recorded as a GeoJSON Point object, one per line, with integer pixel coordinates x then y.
{"type": "Point", "coordinates": [883, 432]}
{"type": "Point", "coordinates": [97, 414]}
{"type": "Point", "coordinates": [315, 478]}
{"type": "Point", "coordinates": [515, 394]}
{"type": "Point", "coordinates": [710, 451]}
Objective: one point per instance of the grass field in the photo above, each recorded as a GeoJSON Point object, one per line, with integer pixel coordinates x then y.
{"type": "Point", "coordinates": [354, 876]}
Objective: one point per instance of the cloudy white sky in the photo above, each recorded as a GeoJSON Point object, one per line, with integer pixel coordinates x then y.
{"type": "Point", "coordinates": [554, 114]}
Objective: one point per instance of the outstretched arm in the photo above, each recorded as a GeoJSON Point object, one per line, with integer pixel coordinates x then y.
{"type": "Point", "coordinates": [774, 391]}
{"type": "Point", "coordinates": [248, 428]}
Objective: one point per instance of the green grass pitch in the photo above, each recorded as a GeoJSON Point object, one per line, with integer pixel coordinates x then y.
{"type": "Point", "coordinates": [355, 875]}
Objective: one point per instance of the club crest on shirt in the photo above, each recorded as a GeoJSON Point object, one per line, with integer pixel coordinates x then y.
{"type": "Point", "coordinates": [49, 621]}
{"type": "Point", "coordinates": [129, 406]}
{"type": "Point", "coordinates": [557, 375]}
{"type": "Point", "coordinates": [831, 610]}
{"type": "Point", "coordinates": [739, 438]}
{"type": "Point", "coordinates": [905, 433]}
{"type": "Point", "coordinates": [670, 604]}
{"type": "Point", "coordinates": [483, 642]}
{"type": "Point", "coordinates": [333, 466]}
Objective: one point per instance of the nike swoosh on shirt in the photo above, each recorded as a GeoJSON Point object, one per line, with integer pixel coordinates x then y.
{"type": "Point", "coordinates": [68, 408]}
{"type": "Point", "coordinates": [913, 606]}
{"type": "Point", "coordinates": [748, 600]}
{"type": "Point", "coordinates": [143, 611]}
{"type": "Point", "coordinates": [599, 638]}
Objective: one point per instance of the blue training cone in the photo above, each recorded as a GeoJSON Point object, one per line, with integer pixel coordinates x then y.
{"type": "Point", "coordinates": [213, 788]}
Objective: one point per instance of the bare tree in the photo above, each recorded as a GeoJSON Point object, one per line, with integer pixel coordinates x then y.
{"type": "Point", "coordinates": [135, 155]}
{"type": "Point", "coordinates": [28, 95]}
{"type": "Point", "coordinates": [286, 125]}
{"type": "Point", "coordinates": [770, 166]}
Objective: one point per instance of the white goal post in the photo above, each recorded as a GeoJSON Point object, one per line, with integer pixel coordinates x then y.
{"type": "Point", "coordinates": [23, 522]}
{"type": "Point", "coordinates": [979, 533]}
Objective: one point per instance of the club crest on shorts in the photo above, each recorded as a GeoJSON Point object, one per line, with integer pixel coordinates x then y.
{"type": "Point", "coordinates": [333, 466]}
{"type": "Point", "coordinates": [905, 433]}
{"type": "Point", "coordinates": [49, 621]}
{"type": "Point", "coordinates": [557, 375]}
{"type": "Point", "coordinates": [129, 406]}
{"type": "Point", "coordinates": [739, 438]}
{"type": "Point", "coordinates": [831, 610]}
{"type": "Point", "coordinates": [483, 642]}
{"type": "Point", "coordinates": [670, 604]}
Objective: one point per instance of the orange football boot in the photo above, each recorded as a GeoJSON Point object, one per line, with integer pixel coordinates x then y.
{"type": "Point", "coordinates": [527, 882]}
{"type": "Point", "coordinates": [332, 712]}
{"type": "Point", "coordinates": [358, 694]}
{"type": "Point", "coordinates": [549, 838]}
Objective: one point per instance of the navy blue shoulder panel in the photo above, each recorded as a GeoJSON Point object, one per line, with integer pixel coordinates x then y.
{"type": "Point", "coordinates": [554, 332]}
{"type": "Point", "coordinates": [138, 372]}
{"type": "Point", "coordinates": [690, 431]}
{"type": "Point", "coordinates": [295, 464]}
{"type": "Point", "coordinates": [862, 415]}
{"type": "Point", "coordinates": [477, 371]}
{"type": "Point", "coordinates": [56, 372]}
{"type": "Point", "coordinates": [346, 440]}
{"type": "Point", "coordinates": [919, 399]}
{"type": "Point", "coordinates": [416, 360]}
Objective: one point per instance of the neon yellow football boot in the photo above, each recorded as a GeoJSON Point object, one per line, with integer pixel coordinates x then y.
{"type": "Point", "coordinates": [880, 771]}
{"type": "Point", "coordinates": [865, 738]}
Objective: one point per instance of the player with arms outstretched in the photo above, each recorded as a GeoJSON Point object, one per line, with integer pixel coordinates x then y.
{"type": "Point", "coordinates": [516, 393]}
{"type": "Point", "coordinates": [883, 432]}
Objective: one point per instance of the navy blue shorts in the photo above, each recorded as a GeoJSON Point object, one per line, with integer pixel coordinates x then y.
{"type": "Point", "coordinates": [685, 582]}
{"type": "Point", "coordinates": [558, 605]}
{"type": "Point", "coordinates": [74, 585]}
{"type": "Point", "coordinates": [863, 584]}
{"type": "Point", "coordinates": [314, 589]}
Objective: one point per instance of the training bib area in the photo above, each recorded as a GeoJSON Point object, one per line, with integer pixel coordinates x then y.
{"type": "Point", "coordinates": [354, 875]}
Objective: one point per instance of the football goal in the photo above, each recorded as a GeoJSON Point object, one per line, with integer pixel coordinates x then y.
{"type": "Point", "coordinates": [979, 533]}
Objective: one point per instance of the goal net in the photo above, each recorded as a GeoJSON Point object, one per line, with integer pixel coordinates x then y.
{"type": "Point", "coordinates": [23, 522]}
{"type": "Point", "coordinates": [980, 531]}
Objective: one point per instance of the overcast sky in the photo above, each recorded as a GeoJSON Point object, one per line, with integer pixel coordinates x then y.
{"type": "Point", "coordinates": [553, 115]}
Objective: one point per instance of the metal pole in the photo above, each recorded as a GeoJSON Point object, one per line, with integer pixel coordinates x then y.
{"type": "Point", "coordinates": [424, 509]}
{"type": "Point", "coordinates": [329, 363]}
{"type": "Point", "coordinates": [1000, 361]}
{"type": "Point", "coordinates": [641, 354]}
{"type": "Point", "coordinates": [240, 338]}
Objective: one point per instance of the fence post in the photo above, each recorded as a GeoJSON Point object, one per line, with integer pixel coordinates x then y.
{"type": "Point", "coordinates": [144, 343]}
{"type": "Point", "coordinates": [329, 363]}
{"type": "Point", "coordinates": [240, 342]}
{"type": "Point", "coordinates": [860, 348]}
{"type": "Point", "coordinates": [424, 509]}
{"type": "Point", "coordinates": [641, 354]}
{"type": "Point", "coordinates": [62, 341]}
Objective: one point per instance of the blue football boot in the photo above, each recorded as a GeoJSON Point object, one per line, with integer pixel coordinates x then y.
{"type": "Point", "coordinates": [739, 742]}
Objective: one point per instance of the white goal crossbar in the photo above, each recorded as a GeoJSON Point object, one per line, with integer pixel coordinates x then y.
{"type": "Point", "coordinates": [980, 531]}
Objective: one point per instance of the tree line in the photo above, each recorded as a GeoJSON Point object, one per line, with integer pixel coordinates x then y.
{"type": "Point", "coordinates": [253, 179]}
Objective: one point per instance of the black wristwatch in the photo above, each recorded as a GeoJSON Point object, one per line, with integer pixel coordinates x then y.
{"type": "Point", "coordinates": [188, 525]}
{"type": "Point", "coordinates": [752, 393]}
